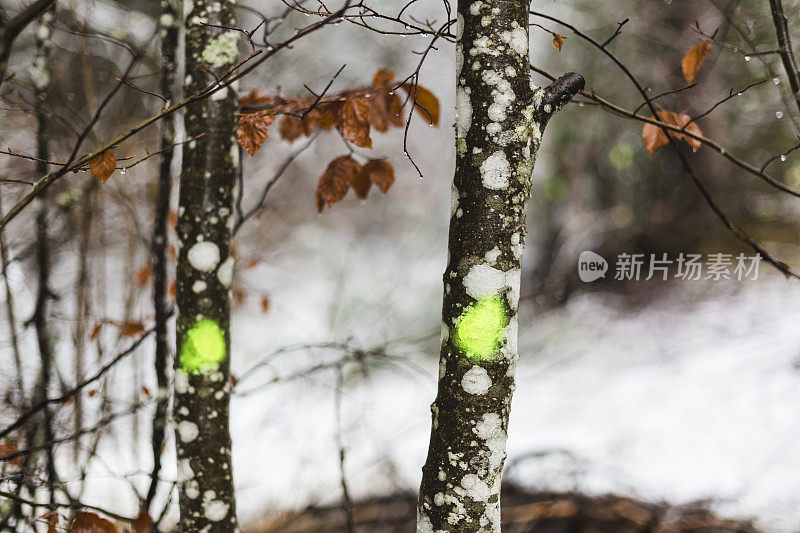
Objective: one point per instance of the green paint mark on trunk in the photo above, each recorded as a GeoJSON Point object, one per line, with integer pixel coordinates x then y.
{"type": "Point", "coordinates": [479, 330]}
{"type": "Point", "coordinates": [203, 347]}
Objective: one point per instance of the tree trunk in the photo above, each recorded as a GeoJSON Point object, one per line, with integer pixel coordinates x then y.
{"type": "Point", "coordinates": [168, 23]}
{"type": "Point", "coordinates": [204, 272]}
{"type": "Point", "coordinates": [499, 120]}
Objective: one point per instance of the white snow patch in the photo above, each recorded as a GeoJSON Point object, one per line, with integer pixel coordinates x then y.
{"type": "Point", "coordinates": [463, 113]}
{"type": "Point", "coordinates": [477, 489]}
{"type": "Point", "coordinates": [495, 171]}
{"type": "Point", "coordinates": [203, 256]}
{"type": "Point", "coordinates": [225, 272]}
{"type": "Point", "coordinates": [476, 381]}
{"type": "Point", "coordinates": [517, 39]}
{"type": "Point", "coordinates": [188, 431]}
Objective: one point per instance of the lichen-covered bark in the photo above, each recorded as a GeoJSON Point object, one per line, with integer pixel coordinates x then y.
{"type": "Point", "coordinates": [204, 272]}
{"type": "Point", "coordinates": [499, 120]}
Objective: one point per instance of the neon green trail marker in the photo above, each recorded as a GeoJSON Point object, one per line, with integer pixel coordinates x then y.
{"type": "Point", "coordinates": [479, 330]}
{"type": "Point", "coordinates": [203, 347]}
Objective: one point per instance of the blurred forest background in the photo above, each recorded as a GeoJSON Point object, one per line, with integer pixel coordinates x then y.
{"type": "Point", "coordinates": [677, 391]}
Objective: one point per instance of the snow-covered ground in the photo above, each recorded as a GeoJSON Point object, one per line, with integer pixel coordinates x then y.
{"type": "Point", "coordinates": [694, 397]}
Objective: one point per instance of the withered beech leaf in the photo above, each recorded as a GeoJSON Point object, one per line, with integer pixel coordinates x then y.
{"type": "Point", "coordinates": [103, 165]}
{"type": "Point", "coordinates": [654, 138]}
{"type": "Point", "coordinates": [355, 122]}
{"type": "Point", "coordinates": [291, 128]}
{"type": "Point", "coordinates": [381, 173]}
{"type": "Point", "coordinates": [558, 41]}
{"type": "Point", "coordinates": [426, 104]}
{"type": "Point", "coordinates": [693, 60]}
{"type": "Point", "coordinates": [382, 77]}
{"type": "Point", "coordinates": [253, 130]}
{"type": "Point", "coordinates": [91, 523]}
{"type": "Point", "coordinates": [361, 183]}
{"type": "Point", "coordinates": [336, 180]}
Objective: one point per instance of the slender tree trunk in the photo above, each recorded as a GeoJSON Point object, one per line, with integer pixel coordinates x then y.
{"type": "Point", "coordinates": [169, 21]}
{"type": "Point", "coordinates": [205, 269]}
{"type": "Point", "coordinates": [41, 80]}
{"type": "Point", "coordinates": [499, 120]}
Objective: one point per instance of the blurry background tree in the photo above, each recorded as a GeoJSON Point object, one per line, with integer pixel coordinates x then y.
{"type": "Point", "coordinates": [351, 298]}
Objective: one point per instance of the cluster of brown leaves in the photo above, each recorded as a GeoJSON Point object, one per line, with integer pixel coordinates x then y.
{"type": "Point", "coordinates": [355, 113]}
{"type": "Point", "coordinates": [558, 40]}
{"type": "Point", "coordinates": [344, 173]}
{"type": "Point", "coordinates": [652, 135]}
{"type": "Point", "coordinates": [654, 138]}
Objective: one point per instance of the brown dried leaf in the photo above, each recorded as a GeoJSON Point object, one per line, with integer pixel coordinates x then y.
{"type": "Point", "coordinates": [654, 138]}
{"type": "Point", "coordinates": [329, 115]}
{"type": "Point", "coordinates": [291, 128]}
{"type": "Point", "coordinates": [383, 77]}
{"type": "Point", "coordinates": [103, 165]}
{"type": "Point", "coordinates": [355, 122]}
{"type": "Point", "coordinates": [143, 523]}
{"type": "Point", "coordinates": [558, 41]}
{"type": "Point", "coordinates": [381, 173]}
{"type": "Point", "coordinates": [6, 448]}
{"type": "Point", "coordinates": [693, 60]}
{"type": "Point", "coordinates": [253, 130]}
{"type": "Point", "coordinates": [361, 183]}
{"type": "Point", "coordinates": [91, 523]}
{"type": "Point", "coordinates": [336, 180]}
{"type": "Point", "coordinates": [426, 104]}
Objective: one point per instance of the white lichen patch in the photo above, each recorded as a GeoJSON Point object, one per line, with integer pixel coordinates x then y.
{"type": "Point", "coordinates": [476, 488]}
{"type": "Point", "coordinates": [510, 349]}
{"type": "Point", "coordinates": [188, 431]}
{"type": "Point", "coordinates": [475, 8]}
{"type": "Point", "coordinates": [489, 426]}
{"type": "Point", "coordinates": [438, 499]}
{"type": "Point", "coordinates": [517, 39]}
{"type": "Point", "coordinates": [225, 272]}
{"type": "Point", "coordinates": [199, 286]}
{"type": "Point", "coordinates": [463, 113]}
{"type": "Point", "coordinates": [482, 45]}
{"type": "Point", "coordinates": [476, 381]}
{"type": "Point", "coordinates": [203, 256]}
{"type": "Point", "coordinates": [223, 50]}
{"type": "Point", "coordinates": [502, 95]}
{"type": "Point", "coordinates": [495, 171]}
